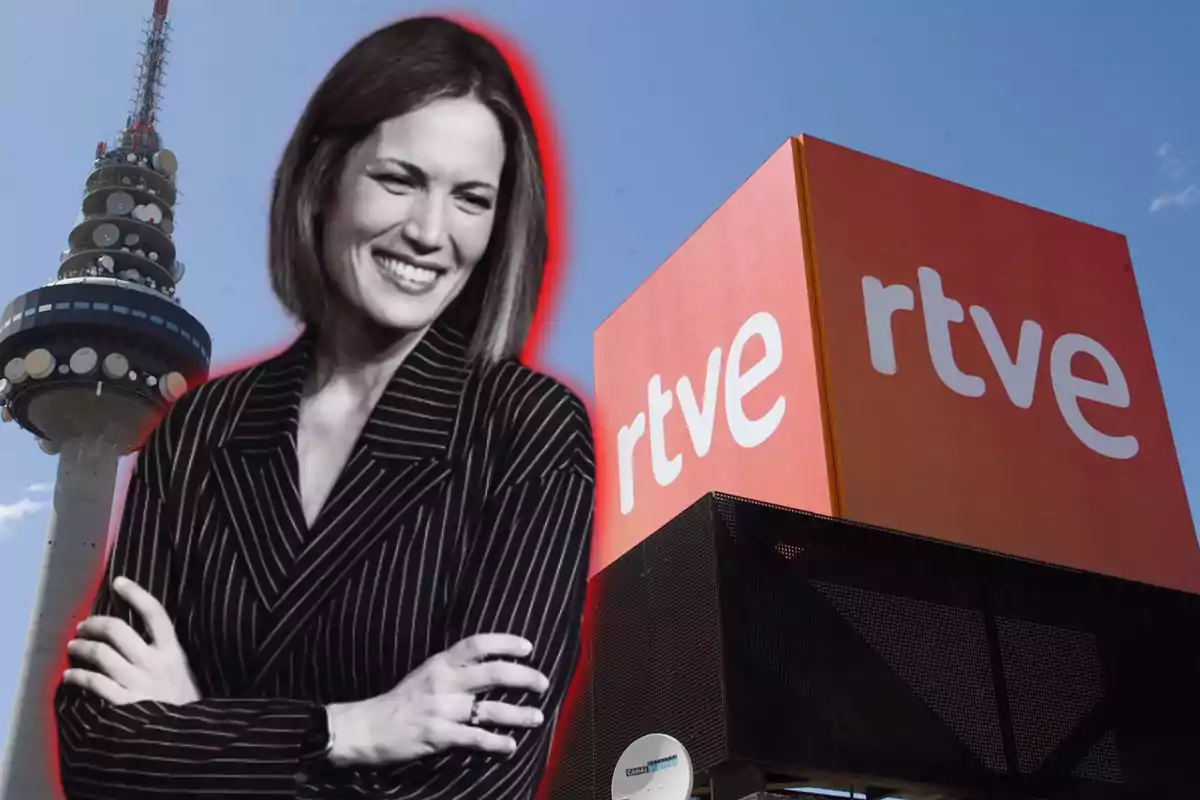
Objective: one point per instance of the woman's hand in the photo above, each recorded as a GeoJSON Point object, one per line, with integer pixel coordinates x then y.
{"type": "Point", "coordinates": [128, 669]}
{"type": "Point", "coordinates": [435, 707]}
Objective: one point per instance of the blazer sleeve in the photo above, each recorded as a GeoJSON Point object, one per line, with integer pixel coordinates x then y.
{"type": "Point", "coordinates": [526, 574]}
{"type": "Point", "coordinates": [215, 747]}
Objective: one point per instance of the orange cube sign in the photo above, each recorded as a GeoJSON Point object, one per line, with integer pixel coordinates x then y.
{"type": "Point", "coordinates": [854, 338]}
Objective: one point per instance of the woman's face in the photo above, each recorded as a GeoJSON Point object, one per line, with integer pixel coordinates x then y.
{"type": "Point", "coordinates": [414, 212]}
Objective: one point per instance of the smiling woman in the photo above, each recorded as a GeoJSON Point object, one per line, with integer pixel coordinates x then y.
{"type": "Point", "coordinates": [424, 178]}
{"type": "Point", "coordinates": [357, 569]}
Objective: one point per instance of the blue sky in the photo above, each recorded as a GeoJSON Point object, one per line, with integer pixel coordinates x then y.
{"type": "Point", "coordinates": [1086, 108]}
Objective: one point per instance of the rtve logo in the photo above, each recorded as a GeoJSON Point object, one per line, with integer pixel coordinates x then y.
{"type": "Point", "coordinates": [700, 416]}
{"type": "Point", "coordinates": [1017, 375]}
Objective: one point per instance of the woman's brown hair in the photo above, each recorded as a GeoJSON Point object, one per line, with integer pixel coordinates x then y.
{"type": "Point", "coordinates": [391, 72]}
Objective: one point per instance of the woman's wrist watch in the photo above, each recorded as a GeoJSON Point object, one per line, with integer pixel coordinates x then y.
{"type": "Point", "coordinates": [319, 741]}
{"type": "Point", "coordinates": [328, 731]}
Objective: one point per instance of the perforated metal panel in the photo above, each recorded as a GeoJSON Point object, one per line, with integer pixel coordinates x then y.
{"type": "Point", "coordinates": [684, 652]}
{"type": "Point", "coordinates": [917, 640]}
{"type": "Point", "coordinates": [1054, 681]}
{"type": "Point", "coordinates": [828, 674]}
{"type": "Point", "coordinates": [1102, 763]}
{"type": "Point", "coordinates": [819, 647]}
{"type": "Point", "coordinates": [655, 659]}
{"type": "Point", "coordinates": [572, 769]}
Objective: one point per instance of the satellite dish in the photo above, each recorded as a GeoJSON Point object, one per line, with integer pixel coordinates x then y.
{"type": "Point", "coordinates": [177, 271]}
{"type": "Point", "coordinates": [14, 370]}
{"type": "Point", "coordinates": [107, 262]}
{"type": "Point", "coordinates": [131, 158]}
{"type": "Point", "coordinates": [116, 366]}
{"type": "Point", "coordinates": [655, 767]}
{"type": "Point", "coordinates": [5, 387]}
{"type": "Point", "coordinates": [83, 361]}
{"type": "Point", "coordinates": [132, 239]}
{"type": "Point", "coordinates": [118, 204]}
{"type": "Point", "coordinates": [164, 161]}
{"type": "Point", "coordinates": [167, 226]}
{"type": "Point", "coordinates": [148, 213]}
{"type": "Point", "coordinates": [126, 180]}
{"type": "Point", "coordinates": [106, 235]}
{"type": "Point", "coordinates": [153, 256]}
{"type": "Point", "coordinates": [172, 385]}
{"type": "Point", "coordinates": [39, 363]}
{"type": "Point", "coordinates": [49, 448]}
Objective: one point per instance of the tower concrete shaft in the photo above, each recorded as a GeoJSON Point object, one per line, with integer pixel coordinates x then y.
{"type": "Point", "coordinates": [75, 542]}
{"type": "Point", "coordinates": [90, 360]}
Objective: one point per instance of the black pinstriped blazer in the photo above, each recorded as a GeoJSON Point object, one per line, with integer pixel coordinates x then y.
{"type": "Point", "coordinates": [465, 507]}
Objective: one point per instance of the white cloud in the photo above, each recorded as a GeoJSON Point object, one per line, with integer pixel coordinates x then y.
{"type": "Point", "coordinates": [12, 512]}
{"type": "Point", "coordinates": [1172, 165]}
{"type": "Point", "coordinates": [34, 488]}
{"type": "Point", "coordinates": [1188, 196]}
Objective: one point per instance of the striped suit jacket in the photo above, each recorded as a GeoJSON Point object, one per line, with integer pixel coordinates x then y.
{"type": "Point", "coordinates": [465, 507]}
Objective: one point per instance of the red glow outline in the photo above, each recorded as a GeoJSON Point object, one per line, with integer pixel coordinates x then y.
{"type": "Point", "coordinates": [532, 355]}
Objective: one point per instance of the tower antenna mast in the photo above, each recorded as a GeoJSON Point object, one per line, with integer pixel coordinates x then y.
{"type": "Point", "coordinates": [140, 132]}
{"type": "Point", "coordinates": [89, 361]}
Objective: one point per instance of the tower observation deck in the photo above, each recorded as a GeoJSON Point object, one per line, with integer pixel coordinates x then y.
{"type": "Point", "coordinates": [90, 361]}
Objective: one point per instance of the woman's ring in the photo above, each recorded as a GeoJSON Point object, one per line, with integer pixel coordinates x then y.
{"type": "Point", "coordinates": [474, 718]}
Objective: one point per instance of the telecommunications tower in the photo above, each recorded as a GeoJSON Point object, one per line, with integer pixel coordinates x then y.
{"type": "Point", "coordinates": [90, 361]}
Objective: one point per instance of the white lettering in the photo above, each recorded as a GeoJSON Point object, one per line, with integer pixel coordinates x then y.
{"type": "Point", "coordinates": [659, 403]}
{"type": "Point", "coordinates": [1070, 388]}
{"type": "Point", "coordinates": [700, 418]}
{"type": "Point", "coordinates": [939, 312]}
{"type": "Point", "coordinates": [627, 437]}
{"type": "Point", "coordinates": [738, 384]}
{"type": "Point", "coordinates": [700, 421]}
{"type": "Point", "coordinates": [881, 303]}
{"type": "Point", "coordinates": [1017, 374]}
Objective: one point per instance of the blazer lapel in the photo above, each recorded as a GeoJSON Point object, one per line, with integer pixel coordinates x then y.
{"type": "Point", "coordinates": [403, 454]}
{"type": "Point", "coordinates": [257, 473]}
